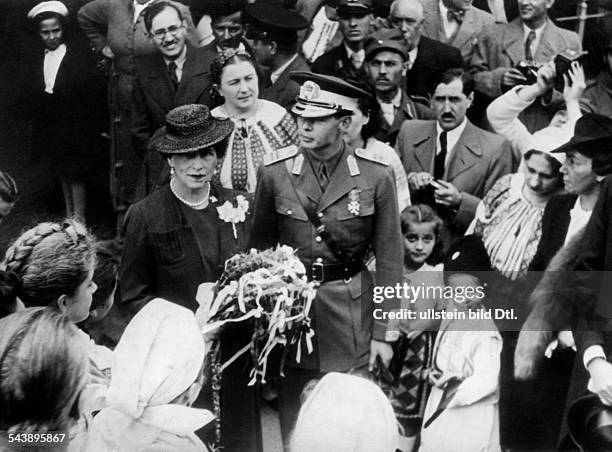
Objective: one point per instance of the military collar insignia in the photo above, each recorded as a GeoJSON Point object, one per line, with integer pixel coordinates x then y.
{"type": "Point", "coordinates": [353, 205]}
{"type": "Point", "coordinates": [280, 155]}
{"type": "Point", "coordinates": [297, 165]}
{"type": "Point", "coordinates": [353, 167]}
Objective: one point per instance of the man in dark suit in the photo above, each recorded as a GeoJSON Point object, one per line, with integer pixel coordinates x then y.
{"type": "Point", "coordinates": [459, 159]}
{"type": "Point", "coordinates": [275, 44]}
{"type": "Point", "coordinates": [386, 62]}
{"type": "Point", "coordinates": [177, 75]}
{"type": "Point", "coordinates": [333, 204]}
{"type": "Point", "coordinates": [346, 60]}
{"type": "Point", "coordinates": [427, 58]}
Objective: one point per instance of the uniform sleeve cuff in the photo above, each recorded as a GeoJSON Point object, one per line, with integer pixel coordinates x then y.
{"type": "Point", "coordinates": [591, 353]}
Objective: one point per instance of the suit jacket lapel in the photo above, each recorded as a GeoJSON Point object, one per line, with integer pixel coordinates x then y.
{"type": "Point", "coordinates": [512, 41]}
{"type": "Point", "coordinates": [158, 81]}
{"type": "Point", "coordinates": [465, 155]}
{"type": "Point", "coordinates": [340, 182]}
{"type": "Point", "coordinates": [545, 50]}
{"type": "Point", "coordinates": [465, 30]}
{"type": "Point", "coordinates": [192, 69]}
{"type": "Point", "coordinates": [424, 147]}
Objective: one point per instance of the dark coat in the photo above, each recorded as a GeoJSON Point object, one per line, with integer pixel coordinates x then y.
{"type": "Point", "coordinates": [409, 109]}
{"type": "Point", "coordinates": [337, 63]}
{"type": "Point", "coordinates": [433, 58]}
{"type": "Point", "coordinates": [284, 90]}
{"type": "Point", "coordinates": [555, 222]}
{"type": "Point", "coordinates": [162, 253]}
{"type": "Point", "coordinates": [72, 107]}
{"type": "Point", "coordinates": [154, 97]}
{"type": "Point", "coordinates": [343, 310]}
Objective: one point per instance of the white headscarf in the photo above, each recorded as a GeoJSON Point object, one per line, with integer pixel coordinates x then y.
{"type": "Point", "coordinates": [345, 413]}
{"type": "Point", "coordinates": [159, 356]}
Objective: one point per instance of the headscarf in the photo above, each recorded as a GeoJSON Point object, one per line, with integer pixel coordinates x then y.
{"type": "Point", "coordinates": [345, 413]}
{"type": "Point", "coordinates": [159, 356]}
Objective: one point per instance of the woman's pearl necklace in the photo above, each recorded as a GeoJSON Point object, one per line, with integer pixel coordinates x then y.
{"type": "Point", "coordinates": [193, 205]}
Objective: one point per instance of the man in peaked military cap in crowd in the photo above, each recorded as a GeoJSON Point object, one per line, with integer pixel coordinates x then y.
{"type": "Point", "coordinates": [273, 30]}
{"type": "Point", "coordinates": [334, 205]}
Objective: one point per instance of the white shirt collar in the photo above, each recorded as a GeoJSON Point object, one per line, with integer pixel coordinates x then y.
{"type": "Point", "coordinates": [452, 137]}
{"type": "Point", "coordinates": [277, 73]}
{"type": "Point", "coordinates": [179, 61]}
{"type": "Point", "coordinates": [412, 56]}
{"type": "Point", "coordinates": [360, 53]}
{"type": "Point", "coordinates": [51, 64]}
{"type": "Point", "coordinates": [138, 8]}
{"type": "Point", "coordinates": [450, 27]}
{"type": "Point", "coordinates": [396, 101]}
{"type": "Point", "coordinates": [538, 32]}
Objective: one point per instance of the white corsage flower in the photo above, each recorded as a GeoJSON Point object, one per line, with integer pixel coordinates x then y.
{"type": "Point", "coordinates": [234, 214]}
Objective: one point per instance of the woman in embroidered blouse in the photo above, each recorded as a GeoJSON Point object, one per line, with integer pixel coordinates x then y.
{"type": "Point", "coordinates": [261, 126]}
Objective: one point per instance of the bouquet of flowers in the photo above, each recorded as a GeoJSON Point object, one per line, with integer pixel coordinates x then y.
{"type": "Point", "coordinates": [269, 287]}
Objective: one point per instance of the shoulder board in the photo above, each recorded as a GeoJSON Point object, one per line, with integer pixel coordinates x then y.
{"type": "Point", "coordinates": [280, 155]}
{"type": "Point", "coordinates": [371, 156]}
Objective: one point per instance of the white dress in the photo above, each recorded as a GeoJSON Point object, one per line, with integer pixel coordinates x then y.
{"type": "Point", "coordinates": [471, 421]}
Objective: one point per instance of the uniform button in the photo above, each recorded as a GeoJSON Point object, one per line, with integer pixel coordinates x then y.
{"type": "Point", "coordinates": [289, 211]}
{"type": "Point", "coordinates": [320, 214]}
{"type": "Point", "coordinates": [318, 239]}
{"type": "Point", "coordinates": [319, 260]}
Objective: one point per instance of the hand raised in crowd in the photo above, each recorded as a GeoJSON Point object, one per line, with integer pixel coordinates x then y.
{"type": "Point", "coordinates": [575, 83]}
{"type": "Point", "coordinates": [545, 78]}
{"type": "Point", "coordinates": [600, 371]}
{"type": "Point", "coordinates": [512, 77]}
{"type": "Point", "coordinates": [448, 196]}
{"type": "Point", "coordinates": [419, 181]}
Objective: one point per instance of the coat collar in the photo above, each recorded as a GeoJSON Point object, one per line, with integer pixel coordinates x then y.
{"type": "Point", "coordinates": [514, 47]}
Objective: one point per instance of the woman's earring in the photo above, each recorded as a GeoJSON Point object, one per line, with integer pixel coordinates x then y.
{"type": "Point", "coordinates": [171, 171]}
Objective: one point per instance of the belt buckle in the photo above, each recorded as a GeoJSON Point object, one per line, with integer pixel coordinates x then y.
{"type": "Point", "coordinates": [318, 272]}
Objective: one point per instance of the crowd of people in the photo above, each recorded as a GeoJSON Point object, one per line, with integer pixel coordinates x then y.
{"type": "Point", "coordinates": [451, 146]}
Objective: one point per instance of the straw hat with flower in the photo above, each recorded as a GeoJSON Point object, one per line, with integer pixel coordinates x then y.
{"type": "Point", "coordinates": [190, 128]}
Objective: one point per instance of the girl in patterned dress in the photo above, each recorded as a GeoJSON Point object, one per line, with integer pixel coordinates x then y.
{"type": "Point", "coordinates": [421, 228]}
{"type": "Point", "coordinates": [262, 126]}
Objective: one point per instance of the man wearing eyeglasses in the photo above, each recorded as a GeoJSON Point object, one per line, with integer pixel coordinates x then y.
{"type": "Point", "coordinates": [427, 58]}
{"type": "Point", "coordinates": [346, 61]}
{"type": "Point", "coordinates": [178, 74]}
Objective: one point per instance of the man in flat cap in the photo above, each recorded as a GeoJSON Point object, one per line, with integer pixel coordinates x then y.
{"type": "Point", "coordinates": [387, 64]}
{"type": "Point", "coordinates": [273, 30]}
{"type": "Point", "coordinates": [346, 60]}
{"type": "Point", "coordinates": [334, 205]}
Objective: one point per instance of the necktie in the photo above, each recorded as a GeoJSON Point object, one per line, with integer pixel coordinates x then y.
{"type": "Point", "coordinates": [172, 74]}
{"type": "Point", "coordinates": [528, 43]}
{"type": "Point", "coordinates": [440, 159]}
{"type": "Point", "coordinates": [455, 16]}
{"type": "Point", "coordinates": [323, 177]}
{"type": "Point", "coordinates": [357, 59]}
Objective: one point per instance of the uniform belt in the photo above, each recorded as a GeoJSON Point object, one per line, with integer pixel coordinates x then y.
{"type": "Point", "coordinates": [321, 272]}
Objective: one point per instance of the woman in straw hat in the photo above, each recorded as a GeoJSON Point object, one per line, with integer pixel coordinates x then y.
{"type": "Point", "coordinates": [180, 236]}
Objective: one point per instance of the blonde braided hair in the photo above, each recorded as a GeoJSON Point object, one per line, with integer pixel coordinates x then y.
{"type": "Point", "coordinates": [51, 259]}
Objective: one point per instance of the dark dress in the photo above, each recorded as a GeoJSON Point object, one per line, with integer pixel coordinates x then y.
{"type": "Point", "coordinates": [66, 125]}
{"type": "Point", "coordinates": [170, 249]}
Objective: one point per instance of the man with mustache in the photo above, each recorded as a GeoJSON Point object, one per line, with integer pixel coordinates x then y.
{"type": "Point", "coordinates": [177, 75]}
{"type": "Point", "coordinates": [450, 162]}
{"type": "Point", "coordinates": [387, 64]}
{"type": "Point", "coordinates": [531, 38]}
{"type": "Point", "coordinates": [334, 204]}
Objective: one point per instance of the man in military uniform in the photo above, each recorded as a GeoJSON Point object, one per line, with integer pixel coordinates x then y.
{"type": "Point", "coordinates": [273, 30]}
{"type": "Point", "coordinates": [334, 205]}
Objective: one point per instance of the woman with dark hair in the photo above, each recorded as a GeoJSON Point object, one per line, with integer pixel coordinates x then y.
{"type": "Point", "coordinates": [180, 236]}
{"type": "Point", "coordinates": [61, 86]}
{"type": "Point", "coordinates": [365, 123]}
{"type": "Point", "coordinates": [262, 126]}
{"type": "Point", "coordinates": [44, 370]}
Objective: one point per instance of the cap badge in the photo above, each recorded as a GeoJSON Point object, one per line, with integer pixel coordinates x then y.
{"type": "Point", "coordinates": [309, 90]}
{"type": "Point", "coordinates": [455, 255]}
{"type": "Point", "coordinates": [380, 42]}
{"type": "Point", "coordinates": [353, 204]}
